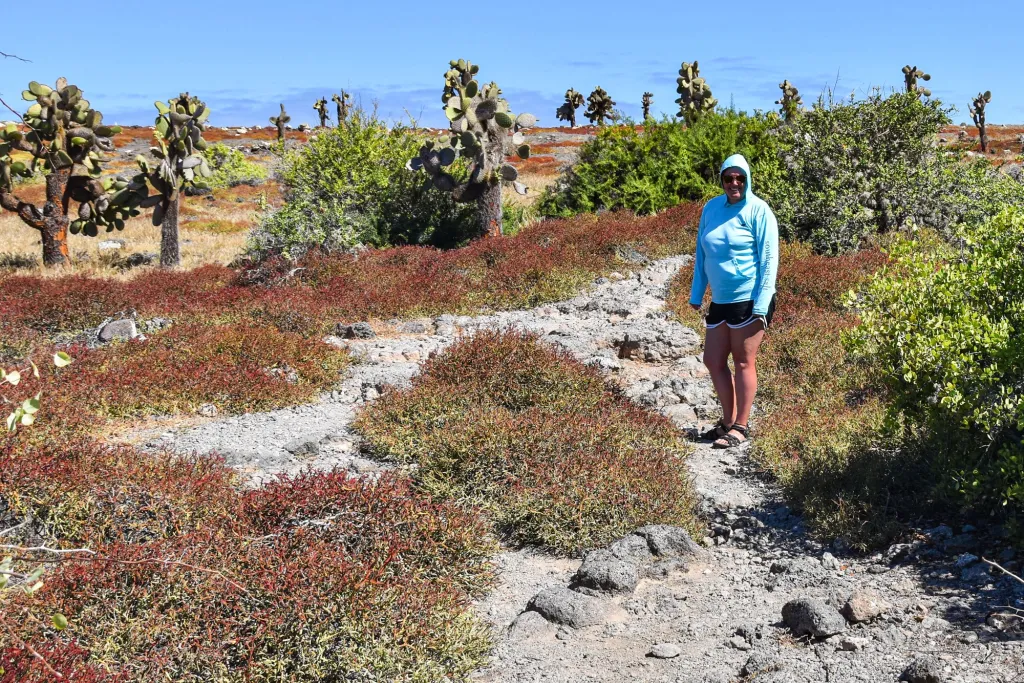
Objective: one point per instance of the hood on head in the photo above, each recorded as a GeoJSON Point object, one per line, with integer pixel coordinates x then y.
{"type": "Point", "coordinates": [740, 162]}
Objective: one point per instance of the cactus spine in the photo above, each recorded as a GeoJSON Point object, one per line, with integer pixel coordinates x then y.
{"type": "Point", "coordinates": [567, 112]}
{"type": "Point", "coordinates": [343, 102]}
{"type": "Point", "coordinates": [695, 98]}
{"type": "Point", "coordinates": [482, 131]}
{"type": "Point", "coordinates": [179, 145]}
{"type": "Point", "coordinates": [66, 136]}
{"type": "Point", "coordinates": [599, 106]}
{"type": "Point", "coordinates": [790, 102]}
{"type": "Point", "coordinates": [977, 110]}
{"type": "Point", "coordinates": [911, 74]}
{"type": "Point", "coordinates": [280, 120]}
{"type": "Point", "coordinates": [645, 103]}
{"type": "Point", "coordinates": [321, 109]}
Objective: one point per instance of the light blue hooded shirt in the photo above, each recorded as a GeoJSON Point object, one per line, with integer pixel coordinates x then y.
{"type": "Point", "coordinates": [737, 248]}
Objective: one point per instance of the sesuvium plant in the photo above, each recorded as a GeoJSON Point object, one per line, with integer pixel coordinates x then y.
{"type": "Point", "coordinates": [483, 132]}
{"type": "Point", "coordinates": [911, 75]}
{"type": "Point", "coordinates": [281, 120]}
{"type": "Point", "coordinates": [599, 106]}
{"type": "Point", "coordinates": [977, 110]}
{"type": "Point", "coordinates": [695, 98]}
{"type": "Point", "coordinates": [178, 150]}
{"type": "Point", "coordinates": [567, 110]}
{"type": "Point", "coordinates": [66, 137]}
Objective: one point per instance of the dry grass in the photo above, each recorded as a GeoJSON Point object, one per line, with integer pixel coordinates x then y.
{"type": "Point", "coordinates": [535, 181]}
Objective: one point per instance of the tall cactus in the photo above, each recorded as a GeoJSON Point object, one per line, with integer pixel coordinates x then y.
{"type": "Point", "coordinates": [911, 74]}
{"type": "Point", "coordinates": [599, 106]}
{"type": "Point", "coordinates": [343, 102]}
{"type": "Point", "coordinates": [977, 110]}
{"type": "Point", "coordinates": [790, 102]}
{"type": "Point", "coordinates": [321, 109]}
{"type": "Point", "coordinates": [567, 112]}
{"type": "Point", "coordinates": [179, 145]}
{"type": "Point", "coordinates": [645, 103]}
{"type": "Point", "coordinates": [280, 120]}
{"type": "Point", "coordinates": [65, 136]}
{"type": "Point", "coordinates": [695, 98]}
{"type": "Point", "coordinates": [483, 131]}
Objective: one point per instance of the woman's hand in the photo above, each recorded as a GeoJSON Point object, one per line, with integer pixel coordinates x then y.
{"type": "Point", "coordinates": [695, 307]}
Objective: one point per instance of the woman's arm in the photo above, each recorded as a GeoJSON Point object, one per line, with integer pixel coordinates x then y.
{"type": "Point", "coordinates": [700, 278]}
{"type": "Point", "coordinates": [766, 238]}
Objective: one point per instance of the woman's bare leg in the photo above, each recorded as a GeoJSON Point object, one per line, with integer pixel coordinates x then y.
{"type": "Point", "coordinates": [745, 343]}
{"type": "Point", "coordinates": [716, 358]}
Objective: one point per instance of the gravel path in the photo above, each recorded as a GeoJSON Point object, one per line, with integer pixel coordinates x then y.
{"type": "Point", "coordinates": [932, 603]}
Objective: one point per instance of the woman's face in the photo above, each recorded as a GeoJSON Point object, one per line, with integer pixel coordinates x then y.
{"type": "Point", "coordinates": [734, 181]}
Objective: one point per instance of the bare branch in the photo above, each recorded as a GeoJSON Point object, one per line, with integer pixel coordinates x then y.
{"type": "Point", "coordinates": [53, 672]}
{"type": "Point", "coordinates": [1002, 569]}
{"type": "Point", "coordinates": [20, 59]}
{"type": "Point", "coordinates": [44, 549]}
{"type": "Point", "coordinates": [28, 213]}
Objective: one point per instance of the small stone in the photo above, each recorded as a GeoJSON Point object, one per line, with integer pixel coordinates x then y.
{"type": "Point", "coordinates": [110, 245]}
{"type": "Point", "coordinates": [828, 561]}
{"type": "Point", "coordinates": [739, 643]}
{"type": "Point", "coordinates": [563, 606]}
{"type": "Point", "coordinates": [759, 663]}
{"type": "Point", "coordinates": [414, 327]}
{"type": "Point", "coordinates": [631, 547]}
{"type": "Point", "coordinates": [669, 541]}
{"type": "Point", "coordinates": [864, 605]}
{"type": "Point", "coordinates": [665, 651]}
{"type": "Point", "coordinates": [808, 616]}
{"type": "Point", "coordinates": [976, 574]}
{"type": "Point", "coordinates": [207, 410]}
{"type": "Point", "coordinates": [924, 670]}
{"type": "Point", "coordinates": [781, 567]}
{"type": "Point", "coordinates": [529, 626]}
{"type": "Point", "coordinates": [603, 571]}
{"type": "Point", "coordinates": [303, 447]}
{"type": "Point", "coordinates": [897, 552]}
{"type": "Point", "coordinates": [965, 560]}
{"type": "Point", "coordinates": [1003, 621]}
{"type": "Point", "coordinates": [850, 644]}
{"type": "Point", "coordinates": [123, 329]}
{"type": "Point", "coordinates": [360, 330]}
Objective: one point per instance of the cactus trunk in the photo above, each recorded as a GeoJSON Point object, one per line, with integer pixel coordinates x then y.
{"type": "Point", "coordinates": [488, 211]}
{"type": "Point", "coordinates": [280, 131]}
{"type": "Point", "coordinates": [54, 230]}
{"type": "Point", "coordinates": [170, 248]}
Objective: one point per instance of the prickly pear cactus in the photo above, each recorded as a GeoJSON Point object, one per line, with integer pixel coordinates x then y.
{"type": "Point", "coordinates": [599, 106]}
{"type": "Point", "coordinates": [321, 109]}
{"type": "Point", "coordinates": [178, 150]}
{"type": "Point", "coordinates": [790, 102]}
{"type": "Point", "coordinates": [65, 137]}
{"type": "Point", "coordinates": [911, 74]}
{"type": "Point", "coordinates": [483, 132]}
{"type": "Point", "coordinates": [645, 103]}
{"type": "Point", "coordinates": [280, 121]}
{"type": "Point", "coordinates": [977, 110]}
{"type": "Point", "coordinates": [695, 98]}
{"type": "Point", "coordinates": [343, 102]}
{"type": "Point", "coordinates": [567, 112]}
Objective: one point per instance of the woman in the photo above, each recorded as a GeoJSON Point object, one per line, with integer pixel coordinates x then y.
{"type": "Point", "coordinates": [738, 255]}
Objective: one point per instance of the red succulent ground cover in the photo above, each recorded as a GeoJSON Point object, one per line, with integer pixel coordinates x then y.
{"type": "Point", "coordinates": [556, 457]}
{"type": "Point", "coordinates": [320, 576]}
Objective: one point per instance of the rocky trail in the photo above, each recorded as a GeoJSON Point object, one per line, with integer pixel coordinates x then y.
{"type": "Point", "coordinates": [754, 600]}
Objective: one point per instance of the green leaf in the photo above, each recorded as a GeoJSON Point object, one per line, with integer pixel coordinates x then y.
{"type": "Point", "coordinates": [60, 622]}
{"type": "Point", "coordinates": [61, 359]}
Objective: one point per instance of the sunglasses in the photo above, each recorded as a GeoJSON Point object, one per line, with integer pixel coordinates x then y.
{"type": "Point", "coordinates": [730, 179]}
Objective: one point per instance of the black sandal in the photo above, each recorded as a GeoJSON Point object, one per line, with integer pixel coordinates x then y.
{"type": "Point", "coordinates": [730, 441]}
{"type": "Point", "coordinates": [717, 432]}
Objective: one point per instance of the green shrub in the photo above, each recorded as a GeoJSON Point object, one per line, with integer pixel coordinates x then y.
{"type": "Point", "coordinates": [853, 169]}
{"type": "Point", "coordinates": [555, 457]}
{"type": "Point", "coordinates": [941, 332]}
{"type": "Point", "coordinates": [230, 167]}
{"type": "Point", "coordinates": [659, 166]}
{"type": "Point", "coordinates": [349, 185]}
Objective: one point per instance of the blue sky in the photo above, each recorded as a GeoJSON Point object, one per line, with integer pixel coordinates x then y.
{"type": "Point", "coordinates": [244, 57]}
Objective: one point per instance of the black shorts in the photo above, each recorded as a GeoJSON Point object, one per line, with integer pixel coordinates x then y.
{"type": "Point", "coordinates": [737, 315]}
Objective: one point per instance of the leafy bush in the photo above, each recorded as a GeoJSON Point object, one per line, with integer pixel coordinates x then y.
{"type": "Point", "coordinates": [853, 169]}
{"type": "Point", "coordinates": [940, 331]}
{"type": "Point", "coordinates": [230, 167]}
{"type": "Point", "coordinates": [557, 458]}
{"type": "Point", "coordinates": [657, 166]}
{"type": "Point", "coordinates": [349, 186]}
